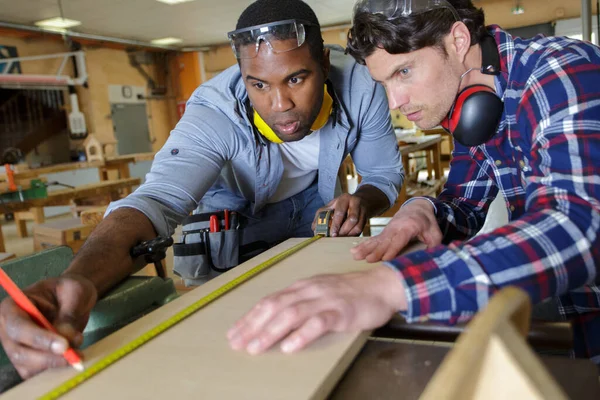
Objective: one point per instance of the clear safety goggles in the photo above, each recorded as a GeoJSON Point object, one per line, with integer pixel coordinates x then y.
{"type": "Point", "coordinates": [392, 9]}
{"type": "Point", "coordinates": [280, 36]}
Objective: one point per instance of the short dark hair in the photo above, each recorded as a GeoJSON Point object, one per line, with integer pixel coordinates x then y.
{"type": "Point", "coordinates": [265, 11]}
{"type": "Point", "coordinates": [405, 34]}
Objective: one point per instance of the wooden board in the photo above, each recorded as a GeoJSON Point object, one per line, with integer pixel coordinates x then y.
{"type": "Point", "coordinates": [25, 173]}
{"type": "Point", "coordinates": [492, 346]}
{"type": "Point", "coordinates": [135, 157]}
{"type": "Point", "coordinates": [6, 256]}
{"type": "Point", "coordinates": [64, 196]}
{"type": "Point", "coordinates": [193, 359]}
{"type": "Point", "coordinates": [69, 232]}
{"type": "Point", "coordinates": [67, 229]}
{"type": "Point", "coordinates": [93, 216]}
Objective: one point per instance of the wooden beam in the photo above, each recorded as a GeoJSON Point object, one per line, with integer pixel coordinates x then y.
{"type": "Point", "coordinates": [195, 353]}
{"type": "Point", "coordinates": [51, 169]}
{"type": "Point", "coordinates": [2, 247]}
{"type": "Point", "coordinates": [64, 196]}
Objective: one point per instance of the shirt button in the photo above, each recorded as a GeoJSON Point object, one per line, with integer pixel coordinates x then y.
{"type": "Point", "coordinates": [512, 208]}
{"type": "Point", "coordinates": [498, 162]}
{"type": "Point", "coordinates": [522, 164]}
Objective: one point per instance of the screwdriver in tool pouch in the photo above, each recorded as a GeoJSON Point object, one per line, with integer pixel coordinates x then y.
{"type": "Point", "coordinates": [214, 223]}
{"type": "Point", "coordinates": [226, 220]}
{"type": "Point", "coordinates": [233, 222]}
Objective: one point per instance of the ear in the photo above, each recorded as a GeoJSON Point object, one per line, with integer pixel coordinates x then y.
{"type": "Point", "coordinates": [326, 63]}
{"type": "Point", "coordinates": [459, 41]}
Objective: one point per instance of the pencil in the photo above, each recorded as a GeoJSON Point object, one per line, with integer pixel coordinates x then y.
{"type": "Point", "coordinates": [23, 301]}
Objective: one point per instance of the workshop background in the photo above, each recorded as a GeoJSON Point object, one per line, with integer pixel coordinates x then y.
{"type": "Point", "coordinates": [89, 91]}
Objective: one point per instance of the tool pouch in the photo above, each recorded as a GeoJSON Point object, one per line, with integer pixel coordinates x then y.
{"type": "Point", "coordinates": [224, 249]}
{"type": "Point", "coordinates": [190, 258]}
{"type": "Point", "coordinates": [199, 254]}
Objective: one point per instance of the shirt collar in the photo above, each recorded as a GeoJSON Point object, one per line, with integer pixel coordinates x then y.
{"type": "Point", "coordinates": [506, 49]}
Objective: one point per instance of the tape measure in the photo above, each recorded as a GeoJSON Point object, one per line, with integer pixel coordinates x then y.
{"type": "Point", "coordinates": [181, 315]}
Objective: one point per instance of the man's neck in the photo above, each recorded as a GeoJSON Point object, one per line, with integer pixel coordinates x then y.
{"type": "Point", "coordinates": [475, 77]}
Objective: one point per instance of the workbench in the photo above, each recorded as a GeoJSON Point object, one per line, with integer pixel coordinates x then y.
{"type": "Point", "coordinates": [430, 146]}
{"type": "Point", "coordinates": [195, 356]}
{"type": "Point", "coordinates": [119, 164]}
{"type": "Point", "coordinates": [427, 144]}
{"type": "Point", "coordinates": [34, 208]}
{"type": "Point", "coordinates": [112, 169]}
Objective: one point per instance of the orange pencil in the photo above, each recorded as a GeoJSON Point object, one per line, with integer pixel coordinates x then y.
{"type": "Point", "coordinates": [23, 301]}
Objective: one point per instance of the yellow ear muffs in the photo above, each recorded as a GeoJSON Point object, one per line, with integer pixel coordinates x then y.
{"type": "Point", "coordinates": [265, 129]}
{"type": "Point", "coordinates": [325, 111]}
{"type": "Point", "coordinates": [320, 121]}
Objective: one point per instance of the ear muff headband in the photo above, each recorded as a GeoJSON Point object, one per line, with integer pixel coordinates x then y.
{"type": "Point", "coordinates": [265, 129]}
{"type": "Point", "coordinates": [319, 122]}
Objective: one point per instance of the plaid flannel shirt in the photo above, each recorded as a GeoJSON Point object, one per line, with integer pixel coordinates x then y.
{"type": "Point", "coordinates": [545, 162]}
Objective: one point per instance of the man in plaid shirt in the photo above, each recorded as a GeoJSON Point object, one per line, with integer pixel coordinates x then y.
{"type": "Point", "coordinates": [543, 159]}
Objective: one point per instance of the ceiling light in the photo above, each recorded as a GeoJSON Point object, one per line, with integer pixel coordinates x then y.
{"type": "Point", "coordinates": [58, 30]}
{"type": "Point", "coordinates": [60, 23]}
{"type": "Point", "coordinates": [166, 41]}
{"type": "Point", "coordinates": [518, 10]}
{"type": "Point", "coordinates": [171, 2]}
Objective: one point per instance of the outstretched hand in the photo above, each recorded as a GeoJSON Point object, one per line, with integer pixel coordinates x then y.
{"type": "Point", "coordinates": [414, 220]}
{"type": "Point", "coordinates": [310, 308]}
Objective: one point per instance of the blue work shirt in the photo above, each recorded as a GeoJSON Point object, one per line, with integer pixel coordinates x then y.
{"type": "Point", "coordinates": [215, 159]}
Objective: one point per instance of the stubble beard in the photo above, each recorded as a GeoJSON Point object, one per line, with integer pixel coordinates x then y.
{"type": "Point", "coordinates": [434, 115]}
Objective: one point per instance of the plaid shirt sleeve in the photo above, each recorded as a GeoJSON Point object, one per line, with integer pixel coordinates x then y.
{"type": "Point", "coordinates": [462, 206]}
{"type": "Point", "coordinates": [554, 247]}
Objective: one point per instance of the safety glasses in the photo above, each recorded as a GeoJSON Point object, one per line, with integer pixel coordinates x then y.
{"type": "Point", "coordinates": [280, 36]}
{"type": "Point", "coordinates": [392, 9]}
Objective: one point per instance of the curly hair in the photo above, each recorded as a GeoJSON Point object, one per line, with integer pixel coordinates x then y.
{"type": "Point", "coordinates": [405, 34]}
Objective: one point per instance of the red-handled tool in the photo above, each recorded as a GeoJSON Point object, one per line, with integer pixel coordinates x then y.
{"type": "Point", "coordinates": [214, 223]}
{"type": "Point", "coordinates": [10, 177]}
{"type": "Point", "coordinates": [226, 219]}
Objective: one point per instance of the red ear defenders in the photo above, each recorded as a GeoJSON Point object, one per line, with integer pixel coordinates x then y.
{"type": "Point", "coordinates": [476, 112]}
{"type": "Point", "coordinates": [474, 116]}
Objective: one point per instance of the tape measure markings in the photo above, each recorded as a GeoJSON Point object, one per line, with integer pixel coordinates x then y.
{"type": "Point", "coordinates": [128, 348]}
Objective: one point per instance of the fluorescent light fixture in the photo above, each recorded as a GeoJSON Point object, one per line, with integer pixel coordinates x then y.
{"type": "Point", "coordinates": [60, 23]}
{"type": "Point", "coordinates": [57, 30]}
{"type": "Point", "coordinates": [166, 41]}
{"type": "Point", "coordinates": [171, 2]}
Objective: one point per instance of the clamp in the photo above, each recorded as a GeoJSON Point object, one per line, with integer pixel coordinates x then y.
{"type": "Point", "coordinates": [324, 223]}
{"type": "Point", "coordinates": [154, 251]}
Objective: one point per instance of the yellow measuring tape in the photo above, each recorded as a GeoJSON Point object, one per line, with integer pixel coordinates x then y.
{"type": "Point", "coordinates": [181, 315]}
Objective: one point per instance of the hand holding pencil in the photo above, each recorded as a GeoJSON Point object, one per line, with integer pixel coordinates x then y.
{"type": "Point", "coordinates": [39, 330]}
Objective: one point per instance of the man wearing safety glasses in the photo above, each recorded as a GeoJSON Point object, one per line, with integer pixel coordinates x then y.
{"type": "Point", "coordinates": [265, 138]}
{"type": "Point", "coordinates": [315, 105]}
{"type": "Point", "coordinates": [525, 117]}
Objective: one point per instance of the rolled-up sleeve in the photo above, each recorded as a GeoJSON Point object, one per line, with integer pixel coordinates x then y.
{"type": "Point", "coordinates": [184, 169]}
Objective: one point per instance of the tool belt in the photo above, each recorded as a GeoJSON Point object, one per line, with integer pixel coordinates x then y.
{"type": "Point", "coordinates": [202, 249]}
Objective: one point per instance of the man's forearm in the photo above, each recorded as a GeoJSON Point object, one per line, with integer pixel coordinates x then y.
{"type": "Point", "coordinates": [374, 200]}
{"type": "Point", "coordinates": [105, 259]}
